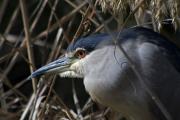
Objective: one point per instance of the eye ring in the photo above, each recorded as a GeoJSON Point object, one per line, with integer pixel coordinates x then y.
{"type": "Point", "coordinates": [80, 54]}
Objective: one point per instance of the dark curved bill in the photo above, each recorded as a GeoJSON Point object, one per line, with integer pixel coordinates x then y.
{"type": "Point", "coordinates": [59, 65]}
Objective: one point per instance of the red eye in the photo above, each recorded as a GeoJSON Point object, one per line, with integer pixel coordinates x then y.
{"type": "Point", "coordinates": [81, 53]}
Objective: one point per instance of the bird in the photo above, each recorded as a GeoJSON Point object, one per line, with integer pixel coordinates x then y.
{"type": "Point", "coordinates": [108, 76]}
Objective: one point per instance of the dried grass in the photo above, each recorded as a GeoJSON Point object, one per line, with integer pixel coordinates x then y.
{"type": "Point", "coordinates": [38, 32]}
{"type": "Point", "coordinates": [159, 9]}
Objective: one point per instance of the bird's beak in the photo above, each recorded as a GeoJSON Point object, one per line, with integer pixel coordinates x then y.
{"type": "Point", "coordinates": [59, 66]}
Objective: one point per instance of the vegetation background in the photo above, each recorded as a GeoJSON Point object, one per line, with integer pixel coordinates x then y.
{"type": "Point", "coordinates": [36, 32]}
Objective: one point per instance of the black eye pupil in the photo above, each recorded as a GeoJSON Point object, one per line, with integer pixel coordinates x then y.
{"type": "Point", "coordinates": [80, 53]}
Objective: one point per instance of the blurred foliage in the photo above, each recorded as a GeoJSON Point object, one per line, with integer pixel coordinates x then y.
{"type": "Point", "coordinates": [54, 96]}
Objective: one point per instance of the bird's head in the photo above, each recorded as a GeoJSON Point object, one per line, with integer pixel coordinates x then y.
{"type": "Point", "coordinates": [70, 64]}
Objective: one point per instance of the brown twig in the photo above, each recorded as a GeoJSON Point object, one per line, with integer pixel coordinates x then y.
{"type": "Point", "coordinates": [80, 28]}
{"type": "Point", "coordinates": [61, 21]}
{"type": "Point", "coordinates": [28, 43]}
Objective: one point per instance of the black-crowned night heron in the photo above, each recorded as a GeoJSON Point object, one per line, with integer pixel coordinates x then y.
{"type": "Point", "coordinates": [110, 80]}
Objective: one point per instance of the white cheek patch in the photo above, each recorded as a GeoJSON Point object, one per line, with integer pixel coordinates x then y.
{"type": "Point", "coordinates": [77, 67]}
{"type": "Point", "coordinates": [71, 74]}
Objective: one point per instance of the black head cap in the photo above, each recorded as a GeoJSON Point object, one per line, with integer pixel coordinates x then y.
{"type": "Point", "coordinates": [88, 43]}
